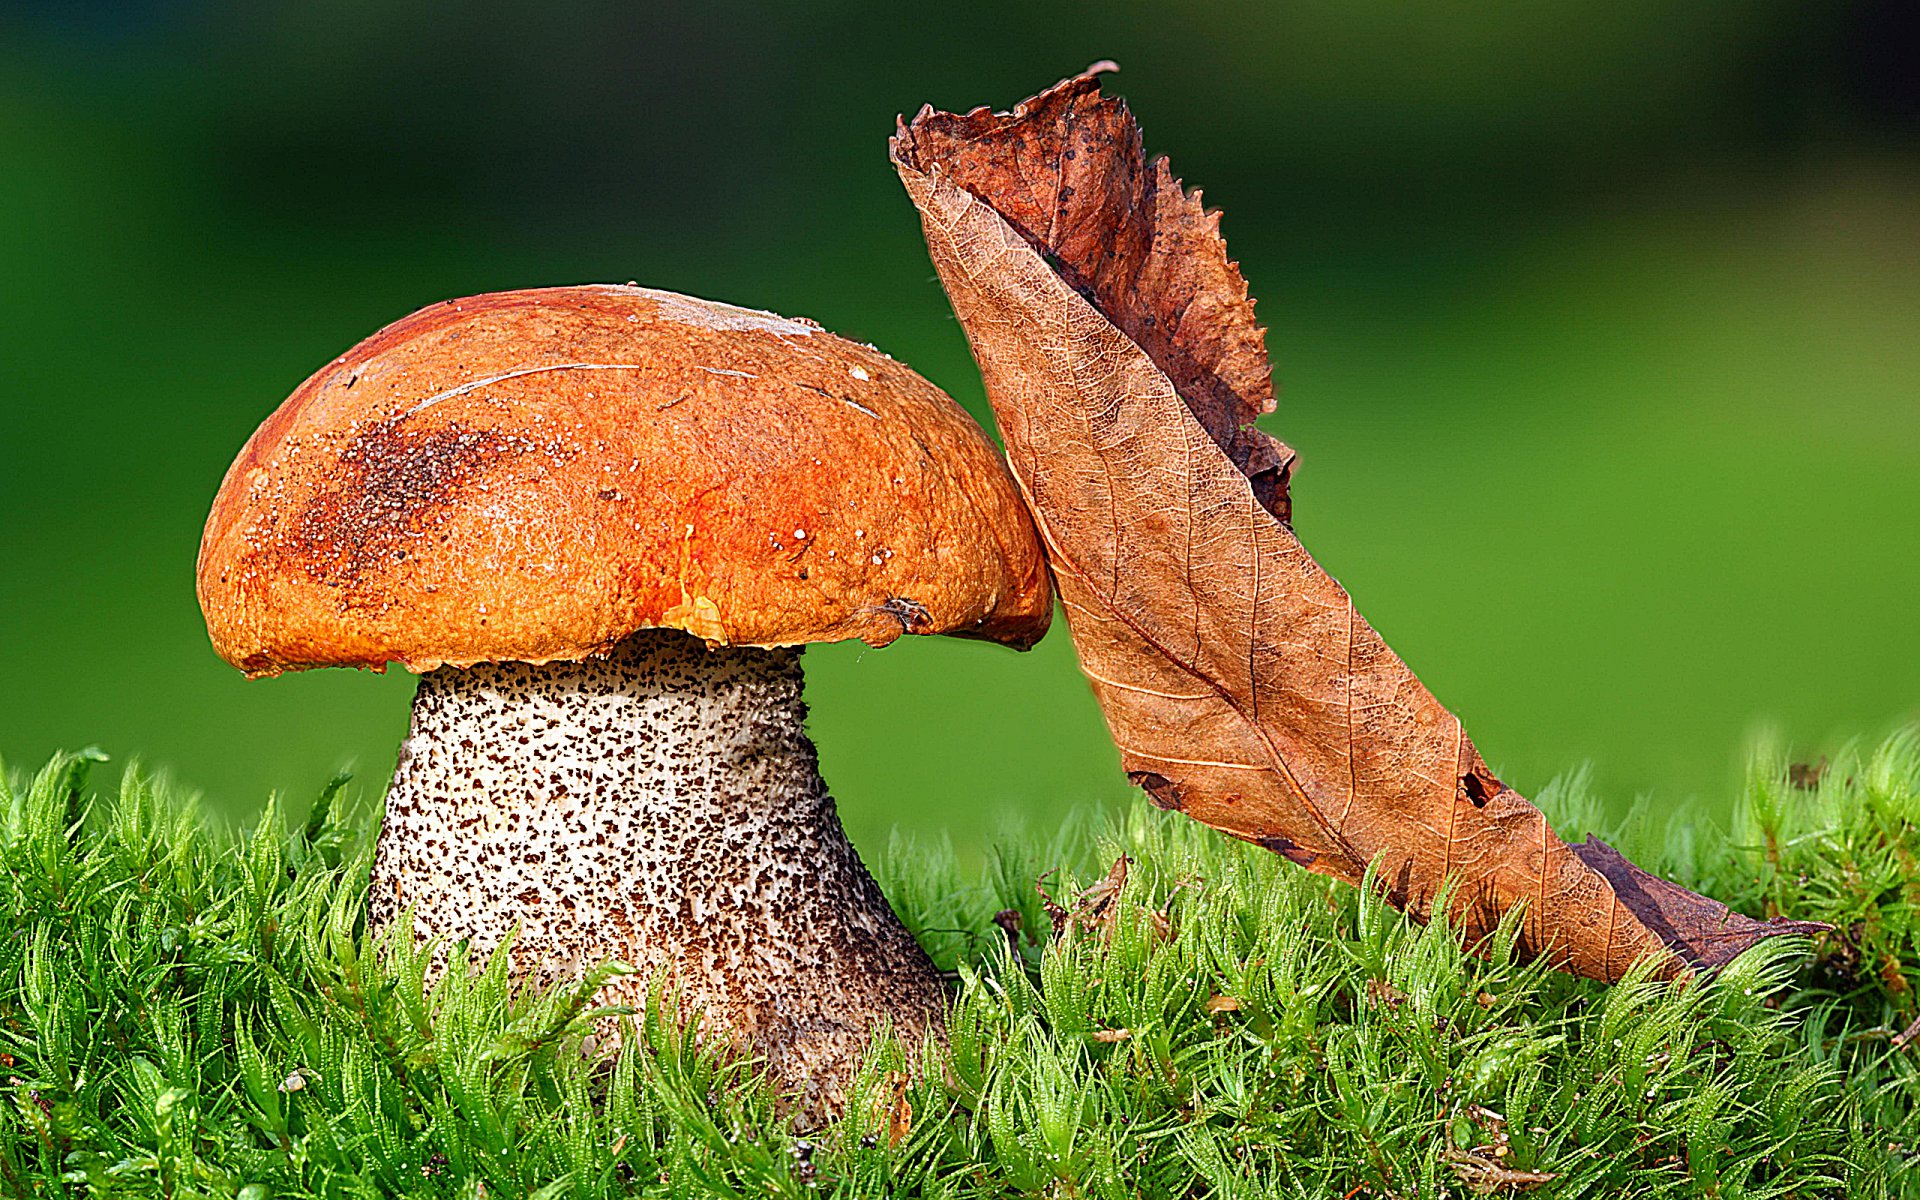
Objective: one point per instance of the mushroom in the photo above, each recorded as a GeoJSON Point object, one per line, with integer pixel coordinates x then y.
{"type": "Point", "coordinates": [601, 523]}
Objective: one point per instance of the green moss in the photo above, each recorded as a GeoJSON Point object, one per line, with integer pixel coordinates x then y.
{"type": "Point", "coordinates": [186, 1012]}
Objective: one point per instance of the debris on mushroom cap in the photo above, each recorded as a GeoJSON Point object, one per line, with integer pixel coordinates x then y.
{"type": "Point", "coordinates": [532, 476]}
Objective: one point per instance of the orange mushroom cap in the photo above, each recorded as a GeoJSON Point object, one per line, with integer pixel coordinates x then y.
{"type": "Point", "coordinates": [535, 475]}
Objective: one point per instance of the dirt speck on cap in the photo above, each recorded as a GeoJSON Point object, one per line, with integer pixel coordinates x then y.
{"type": "Point", "coordinates": [393, 481]}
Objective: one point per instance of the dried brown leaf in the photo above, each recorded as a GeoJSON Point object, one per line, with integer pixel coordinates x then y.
{"type": "Point", "coordinates": [1099, 898]}
{"type": "Point", "coordinates": [1381, 994]}
{"type": "Point", "coordinates": [1098, 908]}
{"type": "Point", "coordinates": [1125, 366]}
{"type": "Point", "coordinates": [1484, 1175]}
{"type": "Point", "coordinates": [1159, 927]}
{"type": "Point", "coordinates": [1807, 776]}
{"type": "Point", "coordinates": [899, 1108]}
{"type": "Point", "coordinates": [1480, 1114]}
{"type": "Point", "coordinates": [1008, 919]}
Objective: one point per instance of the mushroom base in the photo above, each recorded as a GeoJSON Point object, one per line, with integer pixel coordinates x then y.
{"type": "Point", "coordinates": [662, 806]}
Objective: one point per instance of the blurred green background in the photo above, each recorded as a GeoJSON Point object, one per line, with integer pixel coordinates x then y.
{"type": "Point", "coordinates": [1596, 325]}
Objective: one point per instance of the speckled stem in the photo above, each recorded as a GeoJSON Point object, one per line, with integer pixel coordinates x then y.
{"type": "Point", "coordinates": [662, 806]}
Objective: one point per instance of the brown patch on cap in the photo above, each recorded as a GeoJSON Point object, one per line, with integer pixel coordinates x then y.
{"type": "Point", "coordinates": [394, 485]}
{"type": "Point", "coordinates": [532, 476]}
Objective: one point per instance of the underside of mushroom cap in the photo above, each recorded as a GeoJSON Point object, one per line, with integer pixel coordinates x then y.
{"type": "Point", "coordinates": [533, 476]}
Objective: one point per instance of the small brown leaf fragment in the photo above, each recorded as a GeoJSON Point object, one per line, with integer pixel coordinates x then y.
{"type": "Point", "coordinates": [1807, 776]}
{"type": "Point", "coordinates": [1008, 919]}
{"type": "Point", "coordinates": [1381, 994]}
{"type": "Point", "coordinates": [1159, 926]}
{"type": "Point", "coordinates": [899, 1108]}
{"type": "Point", "coordinates": [1110, 1036]}
{"type": "Point", "coordinates": [1100, 895]}
{"type": "Point", "coordinates": [1057, 914]}
{"type": "Point", "coordinates": [1097, 909]}
{"type": "Point", "coordinates": [1222, 1004]}
{"type": "Point", "coordinates": [1125, 366]}
{"type": "Point", "coordinates": [1484, 1175]}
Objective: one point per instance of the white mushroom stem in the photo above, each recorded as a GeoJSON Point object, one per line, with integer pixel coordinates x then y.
{"type": "Point", "coordinates": [662, 806]}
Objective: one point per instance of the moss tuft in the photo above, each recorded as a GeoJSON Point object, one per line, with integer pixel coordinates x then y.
{"type": "Point", "coordinates": [187, 1012]}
